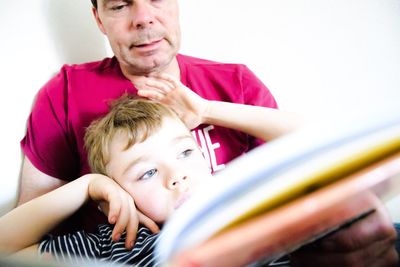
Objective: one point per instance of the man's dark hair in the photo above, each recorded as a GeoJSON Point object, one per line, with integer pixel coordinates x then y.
{"type": "Point", "coordinates": [94, 3]}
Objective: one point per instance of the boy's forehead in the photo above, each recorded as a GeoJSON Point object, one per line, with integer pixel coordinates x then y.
{"type": "Point", "coordinates": [170, 131]}
{"type": "Point", "coordinates": [171, 134]}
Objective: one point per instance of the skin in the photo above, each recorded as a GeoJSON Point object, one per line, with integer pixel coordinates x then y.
{"type": "Point", "coordinates": [144, 35]}
{"type": "Point", "coordinates": [265, 123]}
{"type": "Point", "coordinates": [369, 242]}
{"type": "Point", "coordinates": [161, 174]}
{"type": "Point", "coordinates": [168, 166]}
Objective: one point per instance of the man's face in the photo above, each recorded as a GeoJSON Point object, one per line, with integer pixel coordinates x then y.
{"type": "Point", "coordinates": [160, 173]}
{"type": "Point", "coordinates": [144, 34]}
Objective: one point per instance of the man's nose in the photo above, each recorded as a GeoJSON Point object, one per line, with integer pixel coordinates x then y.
{"type": "Point", "coordinates": [143, 16]}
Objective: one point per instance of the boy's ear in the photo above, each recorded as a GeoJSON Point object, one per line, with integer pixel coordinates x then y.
{"type": "Point", "coordinates": [98, 20]}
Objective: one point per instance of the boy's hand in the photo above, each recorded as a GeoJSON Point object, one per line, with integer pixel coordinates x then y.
{"type": "Point", "coordinates": [168, 90]}
{"type": "Point", "coordinates": [119, 207]}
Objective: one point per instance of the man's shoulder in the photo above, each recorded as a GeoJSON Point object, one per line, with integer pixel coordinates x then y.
{"type": "Point", "coordinates": [86, 77]}
{"type": "Point", "coordinates": [103, 65]}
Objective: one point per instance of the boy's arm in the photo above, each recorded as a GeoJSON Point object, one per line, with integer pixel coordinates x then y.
{"type": "Point", "coordinates": [27, 224]}
{"type": "Point", "coordinates": [261, 122]}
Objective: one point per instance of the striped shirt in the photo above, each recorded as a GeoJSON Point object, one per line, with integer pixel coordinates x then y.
{"type": "Point", "coordinates": [80, 246]}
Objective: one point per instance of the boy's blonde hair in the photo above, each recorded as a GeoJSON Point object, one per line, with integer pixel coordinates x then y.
{"type": "Point", "coordinates": [138, 118]}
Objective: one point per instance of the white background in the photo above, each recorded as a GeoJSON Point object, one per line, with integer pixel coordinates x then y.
{"type": "Point", "coordinates": [316, 56]}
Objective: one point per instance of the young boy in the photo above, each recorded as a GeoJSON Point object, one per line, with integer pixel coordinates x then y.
{"type": "Point", "coordinates": [151, 157]}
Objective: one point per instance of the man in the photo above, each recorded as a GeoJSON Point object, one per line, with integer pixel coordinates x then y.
{"type": "Point", "coordinates": [145, 38]}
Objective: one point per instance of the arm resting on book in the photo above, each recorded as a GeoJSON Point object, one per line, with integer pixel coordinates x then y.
{"type": "Point", "coordinates": [368, 242]}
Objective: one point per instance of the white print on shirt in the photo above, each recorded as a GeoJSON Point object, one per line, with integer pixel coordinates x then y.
{"type": "Point", "coordinates": [207, 147]}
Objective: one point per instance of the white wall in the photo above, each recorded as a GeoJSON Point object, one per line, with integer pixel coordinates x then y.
{"type": "Point", "coordinates": [314, 55]}
{"type": "Point", "coordinates": [37, 37]}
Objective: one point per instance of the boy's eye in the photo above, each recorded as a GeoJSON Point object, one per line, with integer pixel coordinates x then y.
{"type": "Point", "coordinates": [185, 153]}
{"type": "Point", "coordinates": [148, 174]}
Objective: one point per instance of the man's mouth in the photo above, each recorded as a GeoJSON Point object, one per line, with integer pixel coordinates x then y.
{"type": "Point", "coordinates": [148, 45]}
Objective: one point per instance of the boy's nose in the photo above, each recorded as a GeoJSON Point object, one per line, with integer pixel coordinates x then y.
{"type": "Point", "coordinates": [177, 182]}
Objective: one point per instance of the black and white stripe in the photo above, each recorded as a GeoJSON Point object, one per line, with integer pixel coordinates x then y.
{"type": "Point", "coordinates": [80, 246]}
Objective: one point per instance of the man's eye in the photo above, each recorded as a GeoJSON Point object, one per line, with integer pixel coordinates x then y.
{"type": "Point", "coordinates": [118, 7]}
{"type": "Point", "coordinates": [185, 153]}
{"type": "Point", "coordinates": [148, 174]}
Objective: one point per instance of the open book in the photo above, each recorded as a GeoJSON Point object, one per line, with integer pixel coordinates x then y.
{"type": "Point", "coordinates": [288, 192]}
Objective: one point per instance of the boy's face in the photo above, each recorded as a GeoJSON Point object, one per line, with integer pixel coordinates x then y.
{"type": "Point", "coordinates": [162, 172]}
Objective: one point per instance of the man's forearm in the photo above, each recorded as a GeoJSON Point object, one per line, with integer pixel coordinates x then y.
{"type": "Point", "coordinates": [34, 183]}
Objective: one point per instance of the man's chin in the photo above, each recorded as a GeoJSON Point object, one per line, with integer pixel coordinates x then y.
{"type": "Point", "coordinates": [144, 64]}
{"type": "Point", "coordinates": [150, 66]}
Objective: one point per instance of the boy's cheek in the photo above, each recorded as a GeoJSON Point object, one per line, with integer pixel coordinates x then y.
{"type": "Point", "coordinates": [156, 208]}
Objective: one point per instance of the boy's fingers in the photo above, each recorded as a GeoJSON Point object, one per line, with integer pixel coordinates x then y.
{"type": "Point", "coordinates": [131, 232]}
{"type": "Point", "coordinates": [150, 88]}
{"type": "Point", "coordinates": [121, 221]}
{"type": "Point", "coordinates": [103, 206]}
{"type": "Point", "coordinates": [162, 86]}
{"type": "Point", "coordinates": [169, 78]}
{"type": "Point", "coordinates": [149, 223]}
{"type": "Point", "coordinates": [165, 77]}
{"type": "Point", "coordinates": [114, 208]}
{"type": "Point", "coordinates": [151, 94]}
{"type": "Point", "coordinates": [132, 227]}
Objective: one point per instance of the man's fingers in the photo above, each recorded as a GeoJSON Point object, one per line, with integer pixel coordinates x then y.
{"type": "Point", "coordinates": [375, 254]}
{"type": "Point", "coordinates": [374, 228]}
{"type": "Point", "coordinates": [368, 242]}
{"type": "Point", "coordinates": [389, 259]}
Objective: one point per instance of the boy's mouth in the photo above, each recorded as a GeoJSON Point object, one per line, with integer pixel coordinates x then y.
{"type": "Point", "coordinates": [181, 200]}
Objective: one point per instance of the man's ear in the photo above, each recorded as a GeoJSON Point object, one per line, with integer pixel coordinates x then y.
{"type": "Point", "coordinates": [98, 20]}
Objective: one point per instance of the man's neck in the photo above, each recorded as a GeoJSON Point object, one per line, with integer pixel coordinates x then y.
{"type": "Point", "coordinates": [171, 69]}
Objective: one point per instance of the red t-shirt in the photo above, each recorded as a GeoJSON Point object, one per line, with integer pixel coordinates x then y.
{"type": "Point", "coordinates": [78, 94]}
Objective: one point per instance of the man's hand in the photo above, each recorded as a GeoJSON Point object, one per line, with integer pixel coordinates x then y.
{"type": "Point", "coordinates": [119, 207]}
{"type": "Point", "coordinates": [367, 243]}
{"type": "Point", "coordinates": [169, 91]}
